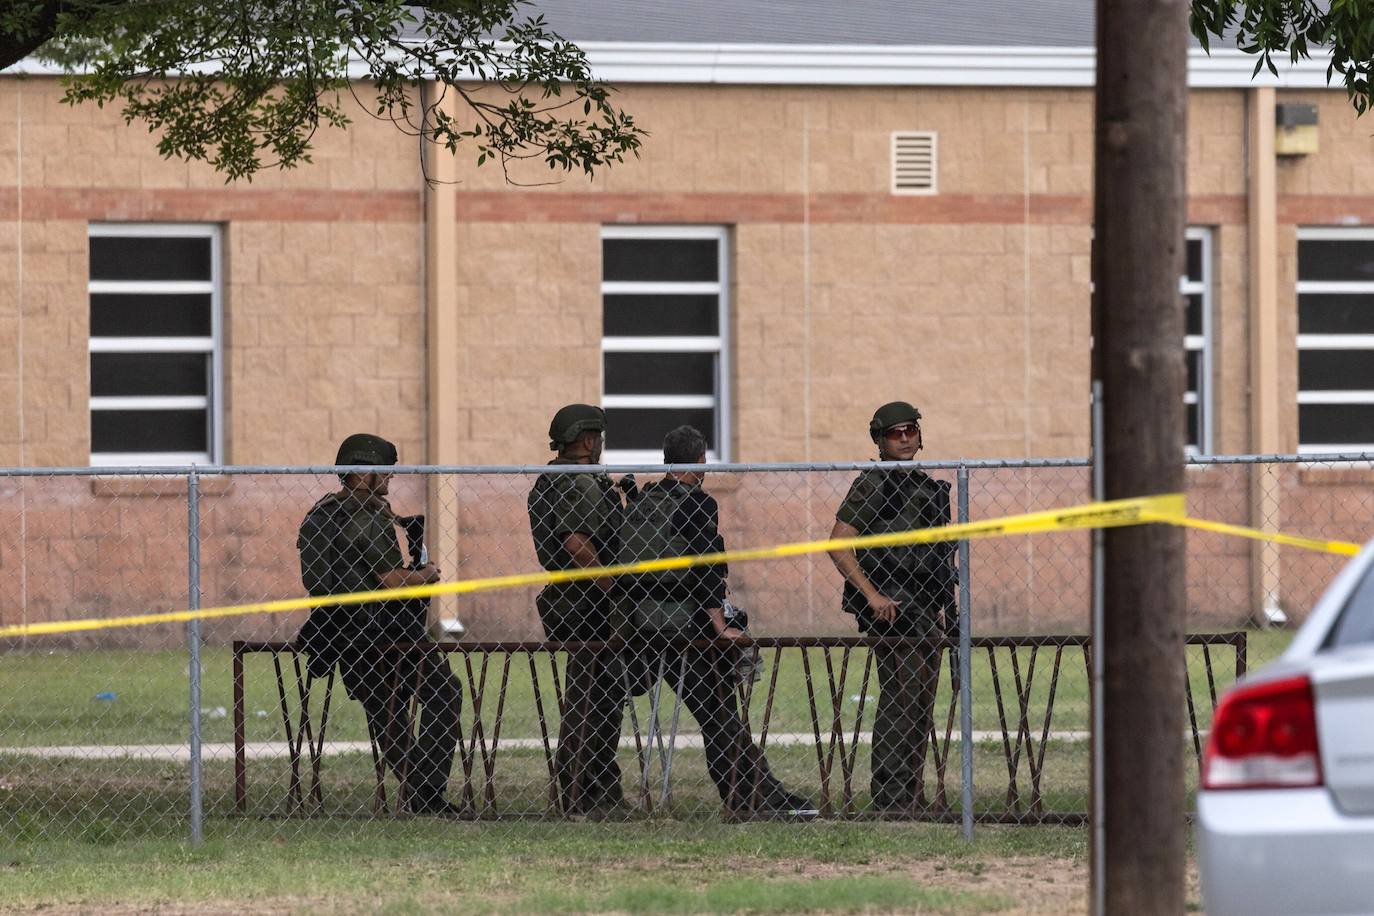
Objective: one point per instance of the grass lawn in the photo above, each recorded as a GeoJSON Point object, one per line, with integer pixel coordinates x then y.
{"type": "Point", "coordinates": [80, 835]}
{"type": "Point", "coordinates": [423, 865]}
{"type": "Point", "coordinates": [49, 698]}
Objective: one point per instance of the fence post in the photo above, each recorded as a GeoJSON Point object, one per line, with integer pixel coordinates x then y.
{"type": "Point", "coordinates": [965, 668]}
{"type": "Point", "coordinates": [193, 646]}
{"type": "Point", "coordinates": [1097, 819]}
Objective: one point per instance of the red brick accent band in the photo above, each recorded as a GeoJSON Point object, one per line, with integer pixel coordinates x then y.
{"type": "Point", "coordinates": [1003, 209]}
{"type": "Point", "coordinates": [1326, 209]}
{"type": "Point", "coordinates": [212, 204]}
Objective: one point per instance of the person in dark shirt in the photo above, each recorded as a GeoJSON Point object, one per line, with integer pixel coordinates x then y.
{"type": "Point", "coordinates": [666, 611]}
{"type": "Point", "coordinates": [905, 591]}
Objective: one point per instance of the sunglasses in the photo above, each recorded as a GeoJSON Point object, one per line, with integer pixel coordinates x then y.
{"type": "Point", "coordinates": [905, 431]}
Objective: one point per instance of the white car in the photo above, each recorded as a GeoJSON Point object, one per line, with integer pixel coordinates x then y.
{"type": "Point", "coordinates": [1285, 812]}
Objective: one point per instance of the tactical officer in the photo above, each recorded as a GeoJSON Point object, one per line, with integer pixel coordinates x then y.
{"type": "Point", "coordinates": [899, 592]}
{"type": "Point", "coordinates": [575, 520]}
{"type": "Point", "coordinates": [348, 543]}
{"type": "Point", "coordinates": [675, 517]}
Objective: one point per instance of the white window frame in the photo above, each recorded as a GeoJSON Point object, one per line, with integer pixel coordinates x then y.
{"type": "Point", "coordinates": [213, 344]}
{"type": "Point", "coordinates": [1201, 343]}
{"type": "Point", "coordinates": [719, 438]}
{"type": "Point", "coordinates": [1334, 341]}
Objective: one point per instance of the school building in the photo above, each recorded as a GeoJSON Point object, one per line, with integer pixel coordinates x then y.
{"type": "Point", "coordinates": [833, 209]}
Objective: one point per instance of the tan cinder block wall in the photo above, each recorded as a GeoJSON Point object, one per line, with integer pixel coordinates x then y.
{"type": "Point", "coordinates": [973, 302]}
{"type": "Point", "coordinates": [323, 305]}
{"type": "Point", "coordinates": [323, 336]}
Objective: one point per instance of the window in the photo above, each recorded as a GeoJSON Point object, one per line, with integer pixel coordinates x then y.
{"type": "Point", "coordinates": [155, 344]}
{"type": "Point", "coordinates": [1197, 342]}
{"type": "Point", "coordinates": [1335, 340]}
{"type": "Point", "coordinates": [664, 330]}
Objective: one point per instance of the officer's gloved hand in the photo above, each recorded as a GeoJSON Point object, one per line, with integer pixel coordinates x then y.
{"type": "Point", "coordinates": [628, 486]}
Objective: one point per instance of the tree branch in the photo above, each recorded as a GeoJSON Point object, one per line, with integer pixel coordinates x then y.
{"type": "Point", "coordinates": [19, 39]}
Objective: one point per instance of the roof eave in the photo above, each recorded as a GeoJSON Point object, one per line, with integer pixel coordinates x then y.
{"type": "Point", "coordinates": [624, 63]}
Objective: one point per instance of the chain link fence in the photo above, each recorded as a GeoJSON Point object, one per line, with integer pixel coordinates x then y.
{"type": "Point", "coordinates": [463, 706]}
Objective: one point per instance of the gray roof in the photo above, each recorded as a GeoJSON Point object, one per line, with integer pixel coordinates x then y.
{"type": "Point", "coordinates": [1012, 23]}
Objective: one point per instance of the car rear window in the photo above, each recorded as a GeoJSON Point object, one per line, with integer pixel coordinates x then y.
{"type": "Point", "coordinates": [1355, 625]}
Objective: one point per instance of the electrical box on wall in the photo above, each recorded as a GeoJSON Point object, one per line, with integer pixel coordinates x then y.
{"type": "Point", "coordinates": [1297, 129]}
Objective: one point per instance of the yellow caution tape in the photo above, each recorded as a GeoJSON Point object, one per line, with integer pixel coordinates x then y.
{"type": "Point", "coordinates": [1343, 548]}
{"type": "Point", "coordinates": [1166, 509]}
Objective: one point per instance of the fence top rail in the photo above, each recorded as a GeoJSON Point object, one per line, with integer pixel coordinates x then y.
{"type": "Point", "coordinates": [761, 642]}
{"type": "Point", "coordinates": [215, 470]}
{"type": "Point", "coordinates": [1304, 458]}
{"type": "Point", "coordinates": [529, 469]}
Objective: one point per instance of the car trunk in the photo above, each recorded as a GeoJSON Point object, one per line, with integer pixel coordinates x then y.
{"type": "Point", "coordinates": [1343, 682]}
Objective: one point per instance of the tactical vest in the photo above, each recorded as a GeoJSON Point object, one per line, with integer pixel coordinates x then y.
{"type": "Point", "coordinates": [573, 610]}
{"type": "Point", "coordinates": [326, 569]}
{"type": "Point", "coordinates": [920, 575]}
{"type": "Point", "coordinates": [656, 601]}
{"type": "Point", "coordinates": [548, 544]}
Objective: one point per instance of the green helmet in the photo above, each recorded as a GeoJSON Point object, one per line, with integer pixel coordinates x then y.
{"type": "Point", "coordinates": [365, 449]}
{"type": "Point", "coordinates": [572, 421]}
{"type": "Point", "coordinates": [892, 414]}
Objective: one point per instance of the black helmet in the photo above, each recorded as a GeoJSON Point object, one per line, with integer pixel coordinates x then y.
{"type": "Point", "coordinates": [365, 449]}
{"type": "Point", "coordinates": [572, 421]}
{"type": "Point", "coordinates": [890, 415]}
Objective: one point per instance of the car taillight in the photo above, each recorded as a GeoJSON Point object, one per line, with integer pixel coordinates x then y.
{"type": "Point", "coordinates": [1264, 736]}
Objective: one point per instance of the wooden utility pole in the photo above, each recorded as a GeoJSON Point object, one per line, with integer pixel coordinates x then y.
{"type": "Point", "coordinates": [1138, 328]}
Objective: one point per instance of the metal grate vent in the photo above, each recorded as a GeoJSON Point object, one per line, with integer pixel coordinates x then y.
{"type": "Point", "coordinates": [913, 162]}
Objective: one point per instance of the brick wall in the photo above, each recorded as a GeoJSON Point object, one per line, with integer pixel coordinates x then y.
{"type": "Point", "coordinates": [81, 548]}
{"type": "Point", "coordinates": [972, 302]}
{"type": "Point", "coordinates": [323, 304]}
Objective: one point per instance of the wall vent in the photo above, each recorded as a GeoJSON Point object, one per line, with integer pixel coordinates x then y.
{"type": "Point", "coordinates": [913, 162]}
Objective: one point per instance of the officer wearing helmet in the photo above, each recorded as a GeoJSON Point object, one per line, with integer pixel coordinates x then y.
{"type": "Point", "coordinates": [348, 543]}
{"type": "Point", "coordinates": [903, 591]}
{"type": "Point", "coordinates": [575, 521]}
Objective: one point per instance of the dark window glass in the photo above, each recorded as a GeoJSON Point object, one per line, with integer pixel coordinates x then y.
{"type": "Point", "coordinates": [1194, 313]}
{"type": "Point", "coordinates": [1194, 430]}
{"type": "Point", "coordinates": [661, 316]}
{"type": "Point", "coordinates": [1195, 260]}
{"type": "Point", "coordinates": [149, 431]}
{"type": "Point", "coordinates": [661, 260]}
{"type": "Point", "coordinates": [1355, 625]}
{"type": "Point", "coordinates": [1336, 259]}
{"type": "Point", "coordinates": [164, 374]}
{"type": "Point", "coordinates": [1344, 313]}
{"type": "Point", "coordinates": [150, 258]}
{"type": "Point", "coordinates": [145, 315]}
{"type": "Point", "coordinates": [1335, 370]}
{"type": "Point", "coordinates": [645, 427]}
{"type": "Point", "coordinates": [1336, 424]}
{"type": "Point", "coordinates": [660, 373]}
{"type": "Point", "coordinates": [1194, 360]}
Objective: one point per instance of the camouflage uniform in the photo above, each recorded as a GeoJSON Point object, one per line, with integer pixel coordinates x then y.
{"type": "Point", "coordinates": [594, 695]}
{"type": "Point", "coordinates": [921, 578]}
{"type": "Point", "coordinates": [346, 543]}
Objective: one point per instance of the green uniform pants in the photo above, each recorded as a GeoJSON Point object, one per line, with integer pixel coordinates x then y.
{"type": "Point", "coordinates": [908, 677]}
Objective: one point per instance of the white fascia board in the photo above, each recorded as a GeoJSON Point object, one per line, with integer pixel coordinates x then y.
{"type": "Point", "coordinates": [886, 65]}
{"type": "Point", "coordinates": [897, 65]}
